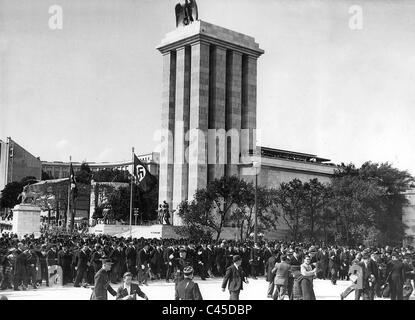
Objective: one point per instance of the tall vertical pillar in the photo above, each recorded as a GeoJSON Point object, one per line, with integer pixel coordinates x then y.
{"type": "Point", "coordinates": [167, 127]}
{"type": "Point", "coordinates": [210, 88]}
{"type": "Point", "coordinates": [199, 117]}
{"type": "Point", "coordinates": [248, 110]}
{"type": "Point", "coordinates": [217, 125]}
{"type": "Point", "coordinates": [233, 110]}
{"type": "Point", "coordinates": [182, 112]}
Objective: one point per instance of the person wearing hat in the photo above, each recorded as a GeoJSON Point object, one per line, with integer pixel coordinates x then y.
{"type": "Point", "coordinates": [183, 262]}
{"type": "Point", "coordinates": [52, 256]}
{"type": "Point", "coordinates": [102, 282]}
{"type": "Point", "coordinates": [129, 290]}
{"type": "Point", "coordinates": [220, 258]}
{"type": "Point", "coordinates": [282, 272]}
{"type": "Point", "coordinates": [187, 289]}
{"type": "Point", "coordinates": [81, 266]}
{"type": "Point", "coordinates": [64, 261]}
{"type": "Point", "coordinates": [96, 257]}
{"type": "Point", "coordinates": [409, 274]}
{"type": "Point", "coordinates": [395, 270]}
{"type": "Point", "coordinates": [234, 277]}
{"type": "Point", "coordinates": [131, 257]}
{"type": "Point", "coordinates": [31, 266]}
{"type": "Point", "coordinates": [20, 274]}
{"type": "Point", "coordinates": [255, 260]}
{"type": "Point", "coordinates": [143, 264]}
{"type": "Point", "coordinates": [270, 274]}
{"type": "Point", "coordinates": [363, 285]}
{"type": "Point", "coordinates": [169, 261]}
{"type": "Point", "coordinates": [8, 263]}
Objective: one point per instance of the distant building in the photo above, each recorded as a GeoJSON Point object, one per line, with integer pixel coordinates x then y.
{"type": "Point", "coordinates": [17, 163]}
{"type": "Point", "coordinates": [60, 169]}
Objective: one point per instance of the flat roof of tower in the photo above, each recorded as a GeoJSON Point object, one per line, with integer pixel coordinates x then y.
{"type": "Point", "coordinates": [291, 155]}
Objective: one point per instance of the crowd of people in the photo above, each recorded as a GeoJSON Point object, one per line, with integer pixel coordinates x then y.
{"type": "Point", "coordinates": [288, 267]}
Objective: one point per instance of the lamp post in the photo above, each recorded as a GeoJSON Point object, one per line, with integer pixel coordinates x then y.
{"type": "Point", "coordinates": [256, 165]}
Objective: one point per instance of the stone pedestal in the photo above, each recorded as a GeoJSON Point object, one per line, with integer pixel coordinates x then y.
{"type": "Point", "coordinates": [26, 220]}
{"type": "Point", "coordinates": [208, 109]}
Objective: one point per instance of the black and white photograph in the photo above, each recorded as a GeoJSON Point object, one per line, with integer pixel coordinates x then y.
{"type": "Point", "coordinates": [209, 150]}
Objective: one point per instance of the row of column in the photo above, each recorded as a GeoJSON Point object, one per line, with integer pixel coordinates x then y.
{"type": "Point", "coordinates": [204, 87]}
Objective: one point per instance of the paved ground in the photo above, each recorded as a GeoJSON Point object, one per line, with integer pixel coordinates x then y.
{"type": "Point", "coordinates": [160, 290]}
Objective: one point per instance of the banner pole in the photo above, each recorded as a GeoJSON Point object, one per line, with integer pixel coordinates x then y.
{"type": "Point", "coordinates": [131, 193]}
{"type": "Point", "coordinates": [69, 195]}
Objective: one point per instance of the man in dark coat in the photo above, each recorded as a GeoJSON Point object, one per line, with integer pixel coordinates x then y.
{"type": "Point", "coordinates": [200, 262]}
{"type": "Point", "coordinates": [52, 256]}
{"type": "Point", "coordinates": [255, 260]}
{"type": "Point", "coordinates": [245, 255]}
{"type": "Point", "coordinates": [182, 263]}
{"type": "Point", "coordinates": [96, 257]}
{"type": "Point", "coordinates": [143, 264]}
{"type": "Point", "coordinates": [396, 272]}
{"type": "Point", "coordinates": [64, 261]}
{"type": "Point", "coordinates": [20, 267]}
{"type": "Point", "coordinates": [102, 282]}
{"type": "Point", "coordinates": [269, 274]}
{"type": "Point", "coordinates": [81, 265]}
{"type": "Point", "coordinates": [220, 259]}
{"type": "Point", "coordinates": [131, 257]}
{"type": "Point", "coordinates": [334, 265]}
{"type": "Point", "coordinates": [156, 261]}
{"type": "Point", "coordinates": [169, 258]}
{"type": "Point", "coordinates": [116, 256]}
{"type": "Point", "coordinates": [43, 265]}
{"type": "Point", "coordinates": [323, 262]}
{"type": "Point", "coordinates": [235, 276]}
{"type": "Point", "coordinates": [129, 290]}
{"type": "Point", "coordinates": [210, 260]}
{"type": "Point", "coordinates": [375, 278]}
{"type": "Point", "coordinates": [187, 289]}
{"type": "Point", "coordinates": [31, 271]}
{"type": "Point", "coordinates": [344, 264]}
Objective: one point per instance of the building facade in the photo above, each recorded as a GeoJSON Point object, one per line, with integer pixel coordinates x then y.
{"type": "Point", "coordinates": [60, 169]}
{"type": "Point", "coordinates": [16, 163]}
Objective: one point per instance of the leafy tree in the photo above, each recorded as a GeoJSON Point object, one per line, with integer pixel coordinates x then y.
{"type": "Point", "coordinates": [46, 176]}
{"type": "Point", "coordinates": [315, 199]}
{"type": "Point", "coordinates": [10, 193]}
{"type": "Point", "coordinates": [102, 192]}
{"type": "Point", "coordinates": [389, 205]}
{"type": "Point", "coordinates": [212, 205]}
{"type": "Point", "coordinates": [84, 175]}
{"type": "Point", "coordinates": [289, 199]}
{"type": "Point", "coordinates": [119, 202]}
{"type": "Point", "coordinates": [245, 214]}
{"type": "Point", "coordinates": [352, 202]}
{"type": "Point", "coordinates": [108, 175]}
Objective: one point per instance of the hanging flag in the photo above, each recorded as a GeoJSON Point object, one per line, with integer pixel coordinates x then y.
{"type": "Point", "coordinates": [143, 178]}
{"type": "Point", "coordinates": [74, 188]}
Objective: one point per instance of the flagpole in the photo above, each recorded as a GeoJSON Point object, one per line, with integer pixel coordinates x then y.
{"type": "Point", "coordinates": [69, 193]}
{"type": "Point", "coordinates": [131, 192]}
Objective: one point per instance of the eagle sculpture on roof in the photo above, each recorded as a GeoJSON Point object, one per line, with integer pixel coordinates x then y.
{"type": "Point", "coordinates": [186, 12]}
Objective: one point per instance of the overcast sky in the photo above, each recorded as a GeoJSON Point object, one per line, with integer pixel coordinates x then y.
{"type": "Point", "coordinates": [93, 89]}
